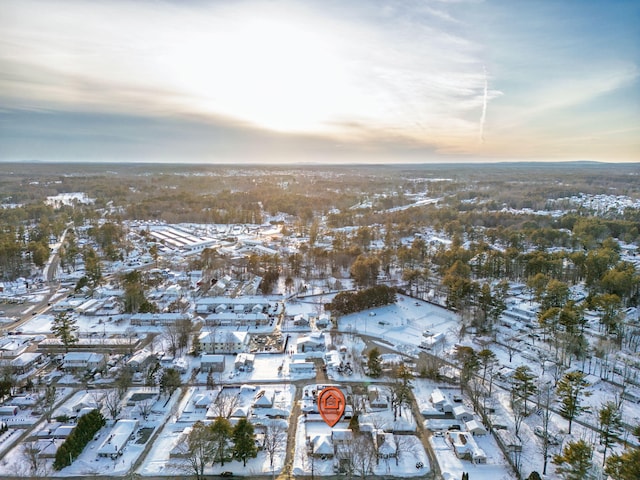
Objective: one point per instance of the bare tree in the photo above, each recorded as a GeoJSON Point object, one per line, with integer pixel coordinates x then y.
{"type": "Point", "coordinates": [307, 460]}
{"type": "Point", "coordinates": [546, 398]}
{"type": "Point", "coordinates": [145, 407]}
{"type": "Point", "coordinates": [172, 335]}
{"type": "Point", "coordinates": [224, 404]}
{"type": "Point", "coordinates": [275, 439]}
{"type": "Point", "coordinates": [358, 457]}
{"type": "Point", "coordinates": [31, 454]}
{"type": "Point", "coordinates": [405, 446]}
{"type": "Point", "coordinates": [519, 413]}
{"type": "Point", "coordinates": [512, 346]}
{"type": "Point", "coordinates": [48, 401]}
{"type": "Point", "coordinates": [113, 402]}
{"type": "Point", "coordinates": [124, 380]}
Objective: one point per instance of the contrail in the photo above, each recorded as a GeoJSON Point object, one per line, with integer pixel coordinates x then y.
{"type": "Point", "coordinates": [483, 117]}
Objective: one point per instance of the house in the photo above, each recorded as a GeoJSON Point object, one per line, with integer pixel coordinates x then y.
{"type": "Point", "coordinates": [440, 402]}
{"type": "Point", "coordinates": [264, 399]}
{"type": "Point", "coordinates": [244, 362]}
{"type": "Point", "coordinates": [25, 362]}
{"type": "Point", "coordinates": [240, 412]}
{"type": "Point", "coordinates": [47, 448]}
{"type": "Point", "coordinates": [301, 320]}
{"type": "Point", "coordinates": [180, 448]}
{"type": "Point", "coordinates": [120, 434]}
{"type": "Point", "coordinates": [83, 361]}
{"type": "Point", "coordinates": [141, 360]}
{"type": "Point", "coordinates": [475, 428]}
{"type": "Point", "coordinates": [341, 436]}
{"type": "Point", "coordinates": [321, 446]}
{"type": "Point", "coordinates": [323, 321]}
{"type": "Point", "coordinates": [224, 341]}
{"type": "Point", "coordinates": [150, 319]}
{"type": "Point", "coordinates": [203, 400]}
{"type": "Point", "coordinates": [432, 340]}
{"type": "Point", "coordinates": [13, 347]}
{"type": "Point", "coordinates": [302, 367]}
{"type": "Point", "coordinates": [212, 363]}
{"type": "Point", "coordinates": [377, 399]}
{"type": "Point", "coordinates": [310, 343]}
{"type": "Point", "coordinates": [235, 319]}
{"type": "Point", "coordinates": [8, 410]}
{"type": "Point", "coordinates": [385, 444]}
{"type": "Point", "coordinates": [465, 446]}
{"type": "Point", "coordinates": [63, 431]}
{"type": "Point", "coordinates": [510, 442]}
{"type": "Point", "coordinates": [462, 413]}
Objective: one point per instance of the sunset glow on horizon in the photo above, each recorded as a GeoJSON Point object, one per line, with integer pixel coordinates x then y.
{"type": "Point", "coordinates": [326, 81]}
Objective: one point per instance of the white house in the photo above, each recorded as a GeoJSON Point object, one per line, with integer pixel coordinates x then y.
{"type": "Point", "coordinates": [141, 359]}
{"type": "Point", "coordinates": [78, 361]}
{"type": "Point", "coordinates": [314, 342]}
{"type": "Point", "coordinates": [465, 446]}
{"type": "Point", "coordinates": [462, 413]}
{"type": "Point", "coordinates": [244, 362]}
{"type": "Point", "coordinates": [120, 434]}
{"type": "Point", "coordinates": [25, 362]}
{"type": "Point", "coordinates": [440, 402]}
{"type": "Point", "coordinates": [264, 399]}
{"type": "Point", "coordinates": [146, 319]}
{"type": "Point", "coordinates": [385, 443]}
{"type": "Point", "coordinates": [321, 446]}
{"type": "Point", "coordinates": [377, 398]}
{"type": "Point", "coordinates": [300, 367]}
{"type": "Point", "coordinates": [475, 428]}
{"type": "Point", "coordinates": [224, 341]}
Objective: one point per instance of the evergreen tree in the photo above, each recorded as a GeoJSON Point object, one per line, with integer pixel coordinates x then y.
{"type": "Point", "coordinates": [522, 384]}
{"type": "Point", "coordinates": [92, 266]}
{"type": "Point", "coordinates": [374, 362]}
{"type": "Point", "coordinates": [244, 441]}
{"type": "Point", "coordinates": [624, 466]}
{"type": "Point", "coordinates": [221, 432]}
{"type": "Point", "coordinates": [571, 389]}
{"type": "Point", "coordinates": [170, 381]}
{"type": "Point", "coordinates": [575, 460]}
{"type": "Point", "coordinates": [469, 364]}
{"type": "Point", "coordinates": [64, 327]}
{"type": "Point", "coordinates": [609, 426]}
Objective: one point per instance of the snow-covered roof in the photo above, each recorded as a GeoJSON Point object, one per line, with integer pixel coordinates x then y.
{"type": "Point", "coordinates": [322, 445]}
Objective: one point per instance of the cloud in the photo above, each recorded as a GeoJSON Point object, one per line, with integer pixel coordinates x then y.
{"type": "Point", "coordinates": [374, 76]}
{"type": "Point", "coordinates": [298, 70]}
{"type": "Point", "coordinates": [485, 97]}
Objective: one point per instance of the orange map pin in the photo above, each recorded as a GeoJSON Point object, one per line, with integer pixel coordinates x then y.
{"type": "Point", "coordinates": [331, 403]}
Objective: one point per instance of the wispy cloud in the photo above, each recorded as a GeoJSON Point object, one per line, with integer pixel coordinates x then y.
{"type": "Point", "coordinates": [298, 71]}
{"type": "Point", "coordinates": [485, 98]}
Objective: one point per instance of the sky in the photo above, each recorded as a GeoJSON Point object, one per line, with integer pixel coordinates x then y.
{"type": "Point", "coordinates": [332, 81]}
